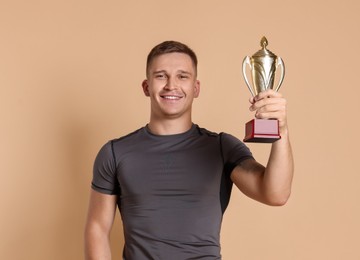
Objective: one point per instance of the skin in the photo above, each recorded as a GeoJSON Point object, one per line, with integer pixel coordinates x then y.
{"type": "Point", "coordinates": [172, 85]}
{"type": "Point", "coordinates": [99, 222]}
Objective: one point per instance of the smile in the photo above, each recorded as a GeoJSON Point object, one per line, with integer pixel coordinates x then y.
{"type": "Point", "coordinates": [171, 97]}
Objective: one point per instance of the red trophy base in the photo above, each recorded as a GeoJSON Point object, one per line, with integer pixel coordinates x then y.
{"type": "Point", "coordinates": [262, 131]}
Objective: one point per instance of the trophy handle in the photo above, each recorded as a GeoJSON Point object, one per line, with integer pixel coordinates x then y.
{"type": "Point", "coordinates": [279, 62]}
{"type": "Point", "coordinates": [246, 61]}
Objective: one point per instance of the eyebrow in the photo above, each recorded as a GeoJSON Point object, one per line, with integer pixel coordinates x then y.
{"type": "Point", "coordinates": [159, 71]}
{"type": "Point", "coordinates": [164, 71]}
{"type": "Point", "coordinates": [185, 72]}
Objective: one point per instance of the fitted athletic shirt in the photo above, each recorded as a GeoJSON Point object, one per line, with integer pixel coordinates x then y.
{"type": "Point", "coordinates": [172, 190]}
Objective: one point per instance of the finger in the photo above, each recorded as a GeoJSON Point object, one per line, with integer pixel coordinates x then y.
{"type": "Point", "coordinates": [272, 108]}
{"type": "Point", "coordinates": [251, 100]}
{"type": "Point", "coordinates": [268, 101]}
{"type": "Point", "coordinates": [267, 94]}
{"type": "Point", "coordinates": [279, 115]}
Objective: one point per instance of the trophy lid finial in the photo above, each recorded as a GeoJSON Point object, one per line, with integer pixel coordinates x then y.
{"type": "Point", "coordinates": [264, 42]}
{"type": "Point", "coordinates": [263, 52]}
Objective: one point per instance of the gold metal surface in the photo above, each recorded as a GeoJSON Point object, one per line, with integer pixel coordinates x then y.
{"type": "Point", "coordinates": [263, 65]}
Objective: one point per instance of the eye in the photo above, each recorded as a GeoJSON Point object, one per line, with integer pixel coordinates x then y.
{"type": "Point", "coordinates": [183, 76]}
{"type": "Point", "coordinates": [160, 76]}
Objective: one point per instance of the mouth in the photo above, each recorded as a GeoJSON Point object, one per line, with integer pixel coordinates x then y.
{"type": "Point", "coordinates": [171, 97]}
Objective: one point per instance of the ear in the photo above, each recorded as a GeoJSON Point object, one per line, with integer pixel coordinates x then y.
{"type": "Point", "coordinates": [145, 87]}
{"type": "Point", "coordinates": [197, 88]}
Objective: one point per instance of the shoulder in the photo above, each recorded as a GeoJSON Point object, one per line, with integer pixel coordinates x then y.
{"type": "Point", "coordinates": [222, 135]}
{"type": "Point", "coordinates": [135, 134]}
{"type": "Point", "coordinates": [227, 138]}
{"type": "Point", "coordinates": [206, 132]}
{"type": "Point", "coordinates": [107, 151]}
{"type": "Point", "coordinates": [233, 149]}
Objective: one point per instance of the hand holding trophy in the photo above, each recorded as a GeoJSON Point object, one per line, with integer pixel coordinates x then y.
{"type": "Point", "coordinates": [263, 65]}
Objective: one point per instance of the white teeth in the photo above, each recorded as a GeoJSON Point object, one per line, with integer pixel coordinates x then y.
{"type": "Point", "coordinates": [170, 97]}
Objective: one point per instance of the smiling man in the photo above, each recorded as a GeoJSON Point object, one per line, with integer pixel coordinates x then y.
{"type": "Point", "coordinates": [172, 179]}
{"type": "Point", "coordinates": [171, 85]}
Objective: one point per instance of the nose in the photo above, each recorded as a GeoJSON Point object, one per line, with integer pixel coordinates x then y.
{"type": "Point", "coordinates": [171, 83]}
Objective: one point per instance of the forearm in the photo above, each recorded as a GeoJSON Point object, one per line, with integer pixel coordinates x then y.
{"type": "Point", "coordinates": [279, 171]}
{"type": "Point", "coordinates": [97, 244]}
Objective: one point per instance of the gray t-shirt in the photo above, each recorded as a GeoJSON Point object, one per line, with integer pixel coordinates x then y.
{"type": "Point", "coordinates": [172, 190]}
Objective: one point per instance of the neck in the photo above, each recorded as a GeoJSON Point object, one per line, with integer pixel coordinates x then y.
{"type": "Point", "coordinates": [169, 127]}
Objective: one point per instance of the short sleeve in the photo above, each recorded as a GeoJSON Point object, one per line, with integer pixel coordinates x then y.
{"type": "Point", "coordinates": [234, 151]}
{"type": "Point", "coordinates": [104, 172]}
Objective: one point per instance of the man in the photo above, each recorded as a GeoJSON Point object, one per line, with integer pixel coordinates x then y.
{"type": "Point", "coordinates": [172, 179]}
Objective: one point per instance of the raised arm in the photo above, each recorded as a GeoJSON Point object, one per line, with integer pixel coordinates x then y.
{"type": "Point", "coordinates": [271, 184]}
{"type": "Point", "coordinates": [101, 213]}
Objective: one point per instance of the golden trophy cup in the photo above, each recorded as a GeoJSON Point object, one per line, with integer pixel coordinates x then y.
{"type": "Point", "coordinates": [263, 66]}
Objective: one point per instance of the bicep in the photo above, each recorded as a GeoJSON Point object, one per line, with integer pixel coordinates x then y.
{"type": "Point", "coordinates": [248, 177]}
{"type": "Point", "coordinates": [101, 212]}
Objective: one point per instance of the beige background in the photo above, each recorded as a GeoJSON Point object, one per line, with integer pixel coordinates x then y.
{"type": "Point", "coordinates": [70, 75]}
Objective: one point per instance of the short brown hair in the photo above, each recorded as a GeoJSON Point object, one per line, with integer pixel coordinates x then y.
{"type": "Point", "coordinates": [170, 47]}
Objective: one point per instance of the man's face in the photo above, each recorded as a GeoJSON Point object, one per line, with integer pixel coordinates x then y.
{"type": "Point", "coordinates": [171, 85]}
